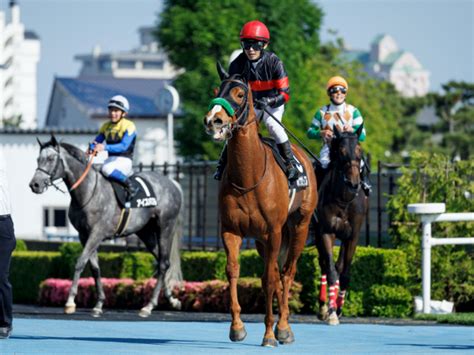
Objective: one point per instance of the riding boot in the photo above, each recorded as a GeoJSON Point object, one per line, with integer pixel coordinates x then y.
{"type": "Point", "coordinates": [221, 164]}
{"type": "Point", "coordinates": [365, 180]}
{"type": "Point", "coordinates": [290, 161]}
{"type": "Point", "coordinates": [131, 190]}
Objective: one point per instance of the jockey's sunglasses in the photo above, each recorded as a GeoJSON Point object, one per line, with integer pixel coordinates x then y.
{"type": "Point", "coordinates": [336, 89]}
{"type": "Point", "coordinates": [255, 45]}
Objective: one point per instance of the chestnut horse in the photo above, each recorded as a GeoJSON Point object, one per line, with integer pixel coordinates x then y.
{"type": "Point", "coordinates": [341, 211]}
{"type": "Point", "coordinates": [254, 202]}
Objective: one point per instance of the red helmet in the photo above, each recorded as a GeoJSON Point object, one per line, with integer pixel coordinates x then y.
{"type": "Point", "coordinates": [255, 30]}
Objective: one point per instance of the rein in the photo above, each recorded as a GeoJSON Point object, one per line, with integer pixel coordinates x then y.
{"type": "Point", "coordinates": [244, 190]}
{"type": "Point", "coordinates": [86, 171]}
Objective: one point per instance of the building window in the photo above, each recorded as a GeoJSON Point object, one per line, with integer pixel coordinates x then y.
{"type": "Point", "coordinates": [126, 64]}
{"type": "Point", "coordinates": [55, 217]}
{"type": "Point", "coordinates": [153, 65]}
{"type": "Point", "coordinates": [105, 65]}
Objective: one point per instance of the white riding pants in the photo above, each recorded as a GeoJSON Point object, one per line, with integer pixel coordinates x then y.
{"type": "Point", "coordinates": [276, 131]}
{"type": "Point", "coordinates": [122, 164]}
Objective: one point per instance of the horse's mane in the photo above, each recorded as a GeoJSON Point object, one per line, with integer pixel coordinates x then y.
{"type": "Point", "coordinates": [74, 151]}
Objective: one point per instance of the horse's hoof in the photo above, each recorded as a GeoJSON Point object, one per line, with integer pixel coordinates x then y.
{"type": "Point", "coordinates": [333, 319]}
{"type": "Point", "coordinates": [269, 342]}
{"type": "Point", "coordinates": [70, 309]}
{"type": "Point", "coordinates": [323, 312]}
{"type": "Point", "coordinates": [237, 334]}
{"type": "Point", "coordinates": [97, 312]}
{"type": "Point", "coordinates": [284, 336]}
{"type": "Point", "coordinates": [144, 312]}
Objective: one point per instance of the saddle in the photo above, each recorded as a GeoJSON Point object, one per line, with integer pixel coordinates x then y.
{"type": "Point", "coordinates": [299, 184]}
{"type": "Point", "coordinates": [144, 198]}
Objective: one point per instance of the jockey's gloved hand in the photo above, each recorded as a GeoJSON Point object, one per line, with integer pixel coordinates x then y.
{"type": "Point", "coordinates": [92, 146]}
{"type": "Point", "coordinates": [265, 102]}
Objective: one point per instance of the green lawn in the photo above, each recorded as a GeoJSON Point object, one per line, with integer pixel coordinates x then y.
{"type": "Point", "coordinates": [454, 318]}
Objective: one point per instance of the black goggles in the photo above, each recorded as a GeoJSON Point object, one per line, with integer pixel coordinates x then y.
{"type": "Point", "coordinates": [255, 45]}
{"type": "Point", "coordinates": [113, 103]}
{"type": "Point", "coordinates": [336, 89]}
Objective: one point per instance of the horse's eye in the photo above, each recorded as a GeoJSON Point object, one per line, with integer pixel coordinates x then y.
{"type": "Point", "coordinates": [50, 158]}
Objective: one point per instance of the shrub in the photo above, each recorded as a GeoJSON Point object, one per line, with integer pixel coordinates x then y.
{"type": "Point", "coordinates": [433, 178]}
{"type": "Point", "coordinates": [21, 245]}
{"type": "Point", "coordinates": [208, 296]}
{"type": "Point", "coordinates": [388, 301]}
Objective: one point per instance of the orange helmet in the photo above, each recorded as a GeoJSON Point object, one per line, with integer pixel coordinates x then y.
{"type": "Point", "coordinates": [255, 30]}
{"type": "Point", "coordinates": [337, 80]}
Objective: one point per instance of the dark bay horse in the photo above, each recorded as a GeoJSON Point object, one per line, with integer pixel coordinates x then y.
{"type": "Point", "coordinates": [95, 213]}
{"type": "Point", "coordinates": [341, 211]}
{"type": "Point", "coordinates": [254, 201]}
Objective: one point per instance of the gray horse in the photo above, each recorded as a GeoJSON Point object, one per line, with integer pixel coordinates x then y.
{"type": "Point", "coordinates": [95, 213]}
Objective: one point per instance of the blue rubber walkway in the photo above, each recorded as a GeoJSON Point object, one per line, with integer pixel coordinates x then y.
{"type": "Point", "coordinates": [50, 336]}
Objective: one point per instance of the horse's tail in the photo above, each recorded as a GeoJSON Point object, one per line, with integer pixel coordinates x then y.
{"type": "Point", "coordinates": [174, 275]}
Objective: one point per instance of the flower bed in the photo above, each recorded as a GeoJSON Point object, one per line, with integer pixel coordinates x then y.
{"type": "Point", "coordinates": [207, 296]}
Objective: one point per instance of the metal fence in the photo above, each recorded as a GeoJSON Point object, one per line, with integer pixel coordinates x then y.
{"type": "Point", "coordinates": [201, 217]}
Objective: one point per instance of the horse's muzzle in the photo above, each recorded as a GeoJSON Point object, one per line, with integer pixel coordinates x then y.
{"type": "Point", "coordinates": [38, 186]}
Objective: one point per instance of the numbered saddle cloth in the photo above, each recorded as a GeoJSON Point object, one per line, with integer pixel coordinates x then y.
{"type": "Point", "coordinates": [144, 198]}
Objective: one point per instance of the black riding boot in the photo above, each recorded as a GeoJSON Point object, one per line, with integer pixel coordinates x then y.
{"type": "Point", "coordinates": [131, 190]}
{"type": "Point", "coordinates": [290, 161]}
{"type": "Point", "coordinates": [221, 164]}
{"type": "Point", "coordinates": [365, 180]}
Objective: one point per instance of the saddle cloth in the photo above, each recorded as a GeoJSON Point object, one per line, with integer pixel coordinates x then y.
{"type": "Point", "coordinates": [144, 198]}
{"type": "Point", "coordinates": [302, 181]}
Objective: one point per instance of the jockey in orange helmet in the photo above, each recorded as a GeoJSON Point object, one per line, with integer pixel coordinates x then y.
{"type": "Point", "coordinates": [270, 86]}
{"type": "Point", "coordinates": [338, 113]}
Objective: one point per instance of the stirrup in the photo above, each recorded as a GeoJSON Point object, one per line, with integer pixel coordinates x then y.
{"type": "Point", "coordinates": [218, 174]}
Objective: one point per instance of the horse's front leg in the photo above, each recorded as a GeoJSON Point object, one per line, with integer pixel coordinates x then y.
{"type": "Point", "coordinates": [97, 310]}
{"type": "Point", "coordinates": [332, 277]}
{"type": "Point", "coordinates": [283, 330]}
{"type": "Point", "coordinates": [343, 267]}
{"type": "Point", "coordinates": [90, 247]}
{"type": "Point", "coordinates": [232, 243]}
{"type": "Point", "coordinates": [269, 283]}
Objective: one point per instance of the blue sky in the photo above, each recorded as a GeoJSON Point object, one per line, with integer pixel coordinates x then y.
{"type": "Point", "coordinates": [440, 33]}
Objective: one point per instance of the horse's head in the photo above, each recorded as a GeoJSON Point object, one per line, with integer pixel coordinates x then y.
{"type": "Point", "coordinates": [231, 107]}
{"type": "Point", "coordinates": [346, 154]}
{"type": "Point", "coordinates": [49, 168]}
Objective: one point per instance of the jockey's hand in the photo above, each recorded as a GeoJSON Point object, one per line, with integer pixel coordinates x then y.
{"type": "Point", "coordinates": [99, 147]}
{"type": "Point", "coordinates": [265, 102]}
{"type": "Point", "coordinates": [348, 128]}
{"type": "Point", "coordinates": [326, 135]}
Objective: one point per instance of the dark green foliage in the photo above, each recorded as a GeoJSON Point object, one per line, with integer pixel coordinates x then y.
{"type": "Point", "coordinates": [371, 267]}
{"type": "Point", "coordinates": [388, 301]}
{"type": "Point", "coordinates": [433, 178]}
{"type": "Point", "coordinates": [27, 270]}
{"type": "Point", "coordinates": [69, 252]}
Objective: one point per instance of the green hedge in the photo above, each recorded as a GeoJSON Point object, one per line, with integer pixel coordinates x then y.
{"type": "Point", "coordinates": [371, 269]}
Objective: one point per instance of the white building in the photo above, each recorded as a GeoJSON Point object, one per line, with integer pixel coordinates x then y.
{"type": "Point", "coordinates": [147, 61]}
{"type": "Point", "coordinates": [77, 108]}
{"type": "Point", "coordinates": [19, 56]}
{"type": "Point", "coordinates": [387, 62]}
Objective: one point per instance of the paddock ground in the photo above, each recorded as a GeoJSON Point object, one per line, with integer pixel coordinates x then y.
{"type": "Point", "coordinates": [41, 330]}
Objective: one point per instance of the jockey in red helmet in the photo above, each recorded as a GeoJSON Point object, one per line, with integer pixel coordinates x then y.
{"type": "Point", "coordinates": [270, 86]}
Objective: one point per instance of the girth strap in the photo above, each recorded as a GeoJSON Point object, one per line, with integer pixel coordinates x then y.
{"type": "Point", "coordinates": [123, 221]}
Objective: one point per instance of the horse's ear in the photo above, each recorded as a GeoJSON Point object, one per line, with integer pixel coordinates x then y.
{"type": "Point", "coordinates": [54, 142]}
{"type": "Point", "coordinates": [221, 71]}
{"type": "Point", "coordinates": [359, 130]}
{"type": "Point", "coordinates": [39, 142]}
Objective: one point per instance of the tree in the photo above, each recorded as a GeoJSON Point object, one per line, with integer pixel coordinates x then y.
{"type": "Point", "coordinates": [196, 34]}
{"type": "Point", "coordinates": [455, 108]}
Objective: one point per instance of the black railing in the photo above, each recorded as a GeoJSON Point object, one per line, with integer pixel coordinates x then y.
{"type": "Point", "coordinates": [201, 217]}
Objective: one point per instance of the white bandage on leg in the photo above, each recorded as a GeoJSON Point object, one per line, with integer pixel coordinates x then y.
{"type": "Point", "coordinates": [324, 156]}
